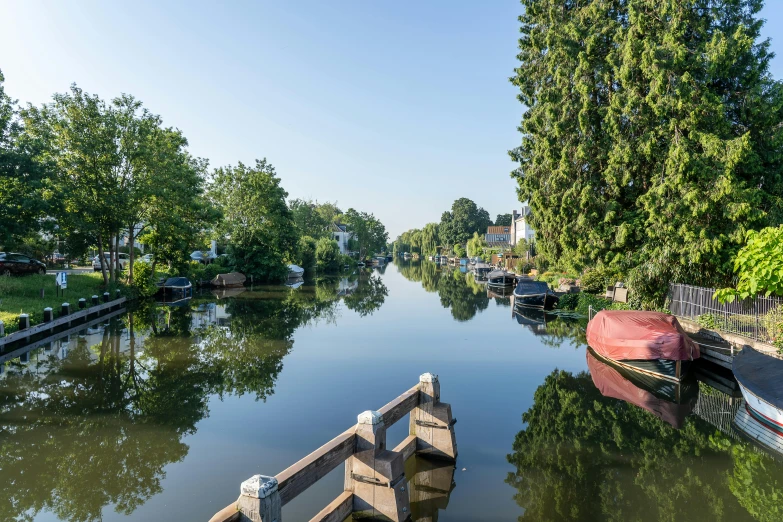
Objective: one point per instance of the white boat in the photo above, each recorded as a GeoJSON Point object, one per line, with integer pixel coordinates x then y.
{"type": "Point", "coordinates": [295, 271]}
{"type": "Point", "coordinates": [759, 378]}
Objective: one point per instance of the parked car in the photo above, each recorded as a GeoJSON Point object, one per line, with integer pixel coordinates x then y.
{"type": "Point", "coordinates": [146, 258]}
{"type": "Point", "coordinates": [57, 258]}
{"type": "Point", "coordinates": [20, 264]}
{"type": "Point", "coordinates": [96, 261]}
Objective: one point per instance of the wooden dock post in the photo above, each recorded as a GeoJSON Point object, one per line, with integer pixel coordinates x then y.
{"type": "Point", "coordinates": [375, 475]}
{"type": "Point", "coordinates": [259, 500]}
{"type": "Point", "coordinates": [431, 422]}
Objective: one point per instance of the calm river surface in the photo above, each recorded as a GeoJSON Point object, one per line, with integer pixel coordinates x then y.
{"type": "Point", "coordinates": [164, 411]}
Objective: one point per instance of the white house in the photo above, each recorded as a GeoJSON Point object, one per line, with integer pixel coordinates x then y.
{"type": "Point", "coordinates": [341, 235]}
{"type": "Point", "coordinates": [521, 228]}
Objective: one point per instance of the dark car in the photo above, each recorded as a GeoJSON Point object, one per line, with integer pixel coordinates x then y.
{"type": "Point", "coordinates": [20, 264]}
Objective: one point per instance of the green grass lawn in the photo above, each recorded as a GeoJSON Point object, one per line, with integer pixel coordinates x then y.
{"type": "Point", "coordinates": [23, 295]}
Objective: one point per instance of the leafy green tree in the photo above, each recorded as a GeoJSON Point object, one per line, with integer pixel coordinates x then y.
{"type": "Point", "coordinates": [305, 252]}
{"type": "Point", "coordinates": [429, 239]}
{"type": "Point", "coordinates": [327, 256]}
{"type": "Point", "coordinates": [476, 245]}
{"type": "Point", "coordinates": [464, 218]}
{"type": "Point", "coordinates": [461, 299]}
{"type": "Point", "coordinates": [503, 220]}
{"type": "Point", "coordinates": [22, 180]}
{"type": "Point", "coordinates": [257, 223]}
{"type": "Point", "coordinates": [309, 221]}
{"type": "Point", "coordinates": [759, 266]}
{"type": "Point", "coordinates": [369, 234]}
{"type": "Point", "coordinates": [650, 137]}
{"type": "Point", "coordinates": [459, 250]}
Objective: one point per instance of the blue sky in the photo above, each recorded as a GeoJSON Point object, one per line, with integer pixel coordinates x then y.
{"type": "Point", "coordinates": [395, 108]}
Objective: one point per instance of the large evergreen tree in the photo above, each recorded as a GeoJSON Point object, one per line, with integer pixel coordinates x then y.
{"type": "Point", "coordinates": [651, 138]}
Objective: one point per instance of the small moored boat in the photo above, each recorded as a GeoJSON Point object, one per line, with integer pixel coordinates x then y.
{"type": "Point", "coordinates": [501, 278]}
{"type": "Point", "coordinates": [534, 294]}
{"type": "Point", "coordinates": [295, 271]}
{"type": "Point", "coordinates": [232, 279]}
{"type": "Point", "coordinates": [648, 342]}
{"type": "Point", "coordinates": [180, 287]}
{"type": "Point", "coordinates": [759, 378]}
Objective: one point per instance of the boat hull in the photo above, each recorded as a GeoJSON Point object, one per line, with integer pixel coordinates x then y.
{"type": "Point", "coordinates": [762, 411]}
{"type": "Point", "coordinates": [660, 368]}
{"type": "Point", "coordinates": [501, 281]}
{"type": "Point", "coordinates": [543, 301]}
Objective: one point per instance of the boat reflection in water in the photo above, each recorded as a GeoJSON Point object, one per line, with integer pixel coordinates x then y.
{"type": "Point", "coordinates": [669, 401]}
{"type": "Point", "coordinates": [535, 319]}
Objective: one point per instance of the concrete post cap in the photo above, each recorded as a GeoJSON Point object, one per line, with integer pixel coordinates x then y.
{"type": "Point", "coordinates": [24, 315]}
{"type": "Point", "coordinates": [82, 299]}
{"type": "Point", "coordinates": [258, 486]}
{"type": "Point", "coordinates": [48, 309]}
{"type": "Point", "coordinates": [428, 377]}
{"type": "Point", "coordinates": [105, 293]}
{"type": "Point", "coordinates": [66, 304]}
{"type": "Point", "coordinates": [370, 417]}
{"type": "Point", "coordinates": [95, 296]}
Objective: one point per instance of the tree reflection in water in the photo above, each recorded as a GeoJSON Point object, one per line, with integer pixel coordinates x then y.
{"type": "Point", "coordinates": [583, 456]}
{"type": "Point", "coordinates": [97, 427]}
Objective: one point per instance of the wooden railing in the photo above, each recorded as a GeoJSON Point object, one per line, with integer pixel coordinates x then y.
{"type": "Point", "coordinates": [375, 482]}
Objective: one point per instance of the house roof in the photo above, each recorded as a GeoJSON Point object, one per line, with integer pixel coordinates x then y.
{"type": "Point", "coordinates": [525, 212]}
{"type": "Point", "coordinates": [502, 229]}
{"type": "Point", "coordinates": [339, 227]}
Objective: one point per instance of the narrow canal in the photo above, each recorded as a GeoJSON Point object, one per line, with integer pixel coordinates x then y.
{"type": "Point", "coordinates": [163, 411]}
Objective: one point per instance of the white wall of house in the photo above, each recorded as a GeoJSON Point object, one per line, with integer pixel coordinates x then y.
{"type": "Point", "coordinates": [521, 227]}
{"type": "Point", "coordinates": [342, 240]}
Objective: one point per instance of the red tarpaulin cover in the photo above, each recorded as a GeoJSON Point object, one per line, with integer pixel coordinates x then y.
{"type": "Point", "coordinates": [630, 335]}
{"type": "Point", "coordinates": [612, 384]}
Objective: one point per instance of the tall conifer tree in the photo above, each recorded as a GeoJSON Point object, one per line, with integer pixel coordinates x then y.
{"type": "Point", "coordinates": [651, 138]}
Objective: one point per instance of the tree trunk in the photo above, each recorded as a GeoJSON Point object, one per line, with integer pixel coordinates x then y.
{"type": "Point", "coordinates": [118, 269]}
{"type": "Point", "coordinates": [102, 259]}
{"type": "Point", "coordinates": [112, 255]}
{"type": "Point", "coordinates": [132, 253]}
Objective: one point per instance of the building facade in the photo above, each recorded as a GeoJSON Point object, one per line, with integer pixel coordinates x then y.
{"type": "Point", "coordinates": [498, 235]}
{"type": "Point", "coordinates": [342, 236]}
{"type": "Point", "coordinates": [520, 225]}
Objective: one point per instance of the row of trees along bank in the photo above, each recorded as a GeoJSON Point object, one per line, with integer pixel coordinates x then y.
{"type": "Point", "coordinates": [88, 171]}
{"type": "Point", "coordinates": [456, 227]}
{"type": "Point", "coordinates": [651, 137]}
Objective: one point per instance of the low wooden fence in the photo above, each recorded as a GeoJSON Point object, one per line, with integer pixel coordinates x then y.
{"type": "Point", "coordinates": [375, 482]}
{"type": "Point", "coordinates": [66, 318]}
{"type": "Point", "coordinates": [756, 318]}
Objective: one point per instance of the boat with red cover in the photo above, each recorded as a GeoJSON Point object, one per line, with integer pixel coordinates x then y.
{"type": "Point", "coordinates": [648, 342]}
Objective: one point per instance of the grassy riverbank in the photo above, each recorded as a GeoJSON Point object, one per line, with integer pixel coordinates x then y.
{"type": "Point", "coordinates": [23, 295]}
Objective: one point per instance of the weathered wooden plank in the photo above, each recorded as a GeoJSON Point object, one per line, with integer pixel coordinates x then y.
{"type": "Point", "coordinates": [337, 511]}
{"type": "Point", "coordinates": [45, 327]}
{"type": "Point", "coordinates": [401, 406]}
{"type": "Point", "coordinates": [227, 514]}
{"type": "Point", "coordinates": [407, 447]}
{"type": "Point", "coordinates": [297, 478]}
{"type": "Point", "coordinates": [19, 351]}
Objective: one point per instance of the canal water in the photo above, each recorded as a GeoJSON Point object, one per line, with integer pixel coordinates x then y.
{"type": "Point", "coordinates": [161, 412]}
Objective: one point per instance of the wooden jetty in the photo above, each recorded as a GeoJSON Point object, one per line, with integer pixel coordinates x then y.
{"type": "Point", "coordinates": [375, 479]}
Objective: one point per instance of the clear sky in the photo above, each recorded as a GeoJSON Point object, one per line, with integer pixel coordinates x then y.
{"type": "Point", "coordinates": [396, 108]}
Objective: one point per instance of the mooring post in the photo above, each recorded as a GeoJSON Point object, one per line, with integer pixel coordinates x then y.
{"type": "Point", "coordinates": [432, 423]}
{"type": "Point", "coordinates": [2, 329]}
{"type": "Point", "coordinates": [95, 300]}
{"type": "Point", "coordinates": [24, 321]}
{"type": "Point", "coordinates": [106, 296]}
{"type": "Point", "coordinates": [259, 500]}
{"type": "Point", "coordinates": [375, 475]}
{"type": "Point", "coordinates": [82, 303]}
